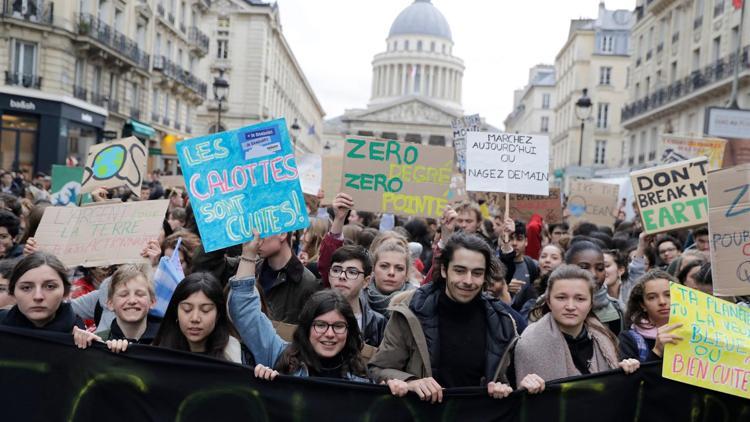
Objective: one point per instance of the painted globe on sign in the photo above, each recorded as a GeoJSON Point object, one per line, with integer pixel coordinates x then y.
{"type": "Point", "coordinates": [108, 162]}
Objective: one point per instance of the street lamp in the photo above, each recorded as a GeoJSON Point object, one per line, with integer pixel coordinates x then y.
{"type": "Point", "coordinates": [221, 89]}
{"type": "Point", "coordinates": [295, 132]}
{"type": "Point", "coordinates": [583, 111]}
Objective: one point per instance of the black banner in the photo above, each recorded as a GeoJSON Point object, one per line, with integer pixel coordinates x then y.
{"type": "Point", "coordinates": [43, 377]}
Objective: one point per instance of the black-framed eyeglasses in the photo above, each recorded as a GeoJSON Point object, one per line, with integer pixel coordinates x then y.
{"type": "Point", "coordinates": [321, 327]}
{"type": "Point", "coordinates": [351, 273]}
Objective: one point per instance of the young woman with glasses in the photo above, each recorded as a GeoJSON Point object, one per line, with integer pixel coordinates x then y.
{"type": "Point", "coordinates": [326, 343]}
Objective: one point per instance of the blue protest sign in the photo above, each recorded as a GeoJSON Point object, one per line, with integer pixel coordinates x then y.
{"type": "Point", "coordinates": [241, 180]}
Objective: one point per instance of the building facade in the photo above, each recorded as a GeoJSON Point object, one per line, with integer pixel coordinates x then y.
{"type": "Point", "coordinates": [533, 106]}
{"type": "Point", "coordinates": [683, 63]}
{"type": "Point", "coordinates": [594, 57]}
{"type": "Point", "coordinates": [78, 72]}
{"type": "Point", "coordinates": [248, 49]}
{"type": "Point", "coordinates": [416, 85]}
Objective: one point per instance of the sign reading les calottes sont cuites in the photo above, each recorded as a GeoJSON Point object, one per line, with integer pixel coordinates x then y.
{"type": "Point", "coordinates": [241, 180]}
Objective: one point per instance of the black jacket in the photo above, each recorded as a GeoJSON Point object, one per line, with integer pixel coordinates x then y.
{"type": "Point", "coordinates": [373, 323]}
{"type": "Point", "coordinates": [528, 291]}
{"type": "Point", "coordinates": [288, 294]}
{"type": "Point", "coordinates": [64, 321]}
{"type": "Point", "coordinates": [115, 332]}
{"type": "Point", "coordinates": [502, 326]}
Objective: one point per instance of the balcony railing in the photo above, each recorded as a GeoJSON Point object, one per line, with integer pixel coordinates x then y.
{"type": "Point", "coordinates": [175, 72]}
{"type": "Point", "coordinates": [36, 11]}
{"type": "Point", "coordinates": [720, 70]}
{"type": "Point", "coordinates": [91, 26]}
{"type": "Point", "coordinates": [198, 40]}
{"type": "Point", "coordinates": [98, 99]}
{"type": "Point", "coordinates": [26, 80]}
{"type": "Point", "coordinates": [80, 92]}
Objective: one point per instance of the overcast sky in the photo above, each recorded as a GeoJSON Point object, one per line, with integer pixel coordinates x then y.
{"type": "Point", "coordinates": [499, 40]}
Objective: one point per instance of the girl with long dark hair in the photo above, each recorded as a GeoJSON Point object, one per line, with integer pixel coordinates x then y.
{"type": "Point", "coordinates": [326, 343]}
{"type": "Point", "coordinates": [196, 320]}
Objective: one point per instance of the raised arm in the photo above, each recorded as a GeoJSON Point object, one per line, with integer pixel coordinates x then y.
{"type": "Point", "coordinates": [252, 324]}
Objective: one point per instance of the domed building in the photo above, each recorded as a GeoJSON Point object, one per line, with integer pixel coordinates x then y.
{"type": "Point", "coordinates": [416, 84]}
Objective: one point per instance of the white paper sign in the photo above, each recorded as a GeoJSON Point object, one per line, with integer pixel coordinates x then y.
{"type": "Point", "coordinates": [507, 162]}
{"type": "Point", "coordinates": [310, 169]}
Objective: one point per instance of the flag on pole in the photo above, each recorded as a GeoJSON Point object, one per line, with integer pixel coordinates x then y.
{"type": "Point", "coordinates": [168, 275]}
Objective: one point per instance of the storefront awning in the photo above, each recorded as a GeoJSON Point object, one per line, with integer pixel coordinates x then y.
{"type": "Point", "coordinates": [138, 129]}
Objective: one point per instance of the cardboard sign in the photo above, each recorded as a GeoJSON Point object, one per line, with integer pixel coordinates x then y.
{"type": "Point", "coordinates": [172, 181]}
{"type": "Point", "coordinates": [680, 148]}
{"type": "Point", "coordinates": [99, 235]}
{"type": "Point", "coordinates": [672, 196]}
{"type": "Point", "coordinates": [728, 223]}
{"type": "Point", "coordinates": [116, 163]}
{"type": "Point", "coordinates": [522, 207]}
{"type": "Point", "coordinates": [460, 127]}
{"type": "Point", "coordinates": [715, 350]}
{"type": "Point", "coordinates": [593, 202]}
{"type": "Point", "coordinates": [333, 166]}
{"type": "Point", "coordinates": [241, 180]}
{"type": "Point", "coordinates": [507, 162]}
{"type": "Point", "coordinates": [310, 167]}
{"type": "Point", "coordinates": [396, 177]}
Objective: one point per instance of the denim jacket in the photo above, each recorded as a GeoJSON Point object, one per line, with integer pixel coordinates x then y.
{"type": "Point", "coordinates": [256, 329]}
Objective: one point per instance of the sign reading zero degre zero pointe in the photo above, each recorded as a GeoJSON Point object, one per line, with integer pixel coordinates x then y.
{"type": "Point", "coordinates": [398, 178]}
{"type": "Point", "coordinates": [507, 162]}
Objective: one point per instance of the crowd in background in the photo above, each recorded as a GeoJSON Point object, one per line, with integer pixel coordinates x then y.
{"type": "Point", "coordinates": [416, 304]}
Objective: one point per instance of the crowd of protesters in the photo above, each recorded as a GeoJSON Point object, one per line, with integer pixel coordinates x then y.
{"type": "Point", "coordinates": [416, 304]}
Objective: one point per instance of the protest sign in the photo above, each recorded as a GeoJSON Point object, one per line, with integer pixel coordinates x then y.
{"type": "Point", "coordinates": [715, 350]}
{"type": "Point", "coordinates": [522, 207]}
{"type": "Point", "coordinates": [243, 180]}
{"type": "Point", "coordinates": [460, 127]}
{"type": "Point", "coordinates": [66, 186]}
{"type": "Point", "coordinates": [161, 384]}
{"type": "Point", "coordinates": [397, 178]}
{"type": "Point", "coordinates": [728, 222]}
{"type": "Point", "coordinates": [172, 181]}
{"type": "Point", "coordinates": [593, 202]}
{"type": "Point", "coordinates": [507, 162]}
{"type": "Point", "coordinates": [680, 148]}
{"type": "Point", "coordinates": [99, 235]}
{"type": "Point", "coordinates": [458, 188]}
{"type": "Point", "coordinates": [116, 163]}
{"type": "Point", "coordinates": [310, 167]}
{"type": "Point", "coordinates": [333, 166]}
{"type": "Point", "coordinates": [672, 196]}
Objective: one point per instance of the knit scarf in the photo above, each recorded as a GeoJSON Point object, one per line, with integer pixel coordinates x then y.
{"type": "Point", "coordinates": [645, 328]}
{"type": "Point", "coordinates": [379, 301]}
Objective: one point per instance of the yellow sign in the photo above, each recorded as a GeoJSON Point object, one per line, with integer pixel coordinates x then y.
{"type": "Point", "coordinates": [715, 349]}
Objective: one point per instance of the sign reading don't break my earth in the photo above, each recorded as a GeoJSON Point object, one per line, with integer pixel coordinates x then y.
{"type": "Point", "coordinates": [241, 180]}
{"type": "Point", "coordinates": [397, 178]}
{"type": "Point", "coordinates": [672, 196]}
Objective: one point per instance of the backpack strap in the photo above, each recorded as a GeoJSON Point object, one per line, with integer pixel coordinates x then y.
{"type": "Point", "coordinates": [641, 343]}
